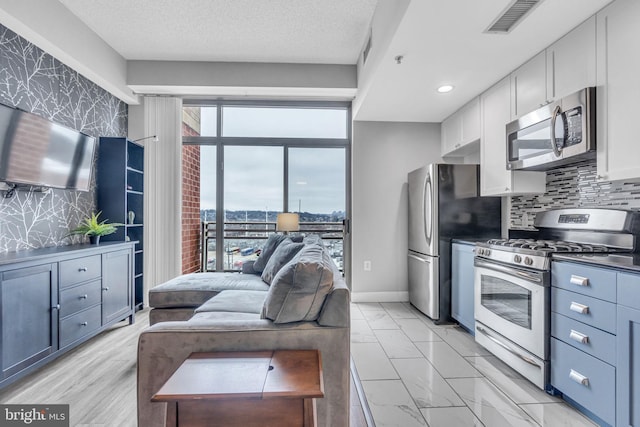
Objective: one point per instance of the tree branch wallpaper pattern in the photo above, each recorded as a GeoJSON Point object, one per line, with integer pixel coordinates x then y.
{"type": "Point", "coordinates": [35, 81]}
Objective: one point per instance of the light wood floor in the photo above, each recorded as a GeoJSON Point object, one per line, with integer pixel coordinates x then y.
{"type": "Point", "coordinates": [98, 381]}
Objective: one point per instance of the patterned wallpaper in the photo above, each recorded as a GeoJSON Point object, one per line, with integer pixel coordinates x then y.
{"type": "Point", "coordinates": [34, 81]}
{"type": "Point", "coordinates": [574, 187]}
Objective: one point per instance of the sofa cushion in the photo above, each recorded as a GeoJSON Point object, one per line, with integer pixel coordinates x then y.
{"type": "Point", "coordinates": [205, 318]}
{"type": "Point", "coordinates": [283, 254]}
{"type": "Point", "coordinates": [191, 290]}
{"type": "Point", "coordinates": [235, 301]}
{"type": "Point", "coordinates": [267, 250]}
{"type": "Point", "coordinates": [300, 287]}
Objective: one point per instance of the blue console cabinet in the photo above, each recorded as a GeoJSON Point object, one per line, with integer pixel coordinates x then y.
{"type": "Point", "coordinates": [462, 285]}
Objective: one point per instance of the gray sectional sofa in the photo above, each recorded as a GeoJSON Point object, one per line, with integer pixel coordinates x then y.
{"type": "Point", "coordinates": [293, 297]}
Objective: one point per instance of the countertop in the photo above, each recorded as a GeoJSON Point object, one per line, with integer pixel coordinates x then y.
{"type": "Point", "coordinates": [630, 262]}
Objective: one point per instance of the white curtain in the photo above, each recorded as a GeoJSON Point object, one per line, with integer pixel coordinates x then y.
{"type": "Point", "coordinates": [161, 116]}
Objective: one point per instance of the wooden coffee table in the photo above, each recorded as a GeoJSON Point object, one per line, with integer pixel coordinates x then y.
{"type": "Point", "coordinates": [266, 388]}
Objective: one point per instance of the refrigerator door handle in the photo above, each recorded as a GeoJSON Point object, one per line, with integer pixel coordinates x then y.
{"type": "Point", "coordinates": [428, 226]}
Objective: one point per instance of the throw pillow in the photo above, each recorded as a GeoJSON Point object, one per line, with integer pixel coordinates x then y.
{"type": "Point", "coordinates": [300, 287]}
{"type": "Point", "coordinates": [282, 255]}
{"type": "Point", "coordinates": [267, 250]}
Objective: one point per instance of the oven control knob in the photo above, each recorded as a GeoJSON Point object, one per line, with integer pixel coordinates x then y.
{"type": "Point", "coordinates": [480, 251]}
{"type": "Point", "coordinates": [517, 258]}
{"type": "Point", "coordinates": [487, 252]}
{"type": "Point", "coordinates": [528, 261]}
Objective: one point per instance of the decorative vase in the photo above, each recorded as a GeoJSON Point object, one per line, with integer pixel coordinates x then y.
{"type": "Point", "coordinates": [94, 240]}
{"type": "Point", "coordinates": [132, 216]}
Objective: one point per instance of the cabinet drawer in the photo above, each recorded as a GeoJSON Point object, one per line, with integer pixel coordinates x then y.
{"type": "Point", "coordinates": [598, 313]}
{"type": "Point", "coordinates": [591, 281]}
{"type": "Point", "coordinates": [569, 366]}
{"type": "Point", "coordinates": [80, 270]}
{"type": "Point", "coordinates": [584, 337]}
{"type": "Point", "coordinates": [80, 324]}
{"type": "Point", "coordinates": [78, 298]}
{"type": "Point", "coordinates": [629, 290]}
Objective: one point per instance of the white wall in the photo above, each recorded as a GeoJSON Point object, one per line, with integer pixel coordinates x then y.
{"type": "Point", "coordinates": [383, 153]}
{"type": "Point", "coordinates": [242, 79]}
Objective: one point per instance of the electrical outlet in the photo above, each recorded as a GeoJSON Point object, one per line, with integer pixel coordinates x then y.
{"type": "Point", "coordinates": [367, 266]}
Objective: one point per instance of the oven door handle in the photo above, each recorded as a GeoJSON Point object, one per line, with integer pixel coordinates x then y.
{"type": "Point", "coordinates": [529, 360]}
{"type": "Point", "coordinates": [533, 277]}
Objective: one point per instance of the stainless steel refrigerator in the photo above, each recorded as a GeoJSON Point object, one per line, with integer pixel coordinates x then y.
{"type": "Point", "coordinates": [444, 203]}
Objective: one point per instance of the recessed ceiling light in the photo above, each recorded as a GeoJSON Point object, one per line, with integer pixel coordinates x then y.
{"type": "Point", "coordinates": [445, 88]}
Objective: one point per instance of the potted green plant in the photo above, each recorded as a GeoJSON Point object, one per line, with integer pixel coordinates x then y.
{"type": "Point", "coordinates": [94, 228]}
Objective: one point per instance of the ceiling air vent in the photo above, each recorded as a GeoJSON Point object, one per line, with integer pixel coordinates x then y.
{"type": "Point", "coordinates": [512, 15]}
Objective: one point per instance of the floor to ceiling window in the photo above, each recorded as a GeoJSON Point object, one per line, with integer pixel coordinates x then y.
{"type": "Point", "coordinates": [247, 162]}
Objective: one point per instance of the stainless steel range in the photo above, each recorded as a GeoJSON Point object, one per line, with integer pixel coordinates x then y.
{"type": "Point", "coordinates": [513, 276]}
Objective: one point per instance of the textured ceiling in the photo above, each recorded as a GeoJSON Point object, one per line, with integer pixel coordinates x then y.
{"type": "Point", "coordinates": [300, 31]}
{"type": "Point", "coordinates": [441, 41]}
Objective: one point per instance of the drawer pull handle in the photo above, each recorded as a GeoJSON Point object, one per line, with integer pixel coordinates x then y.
{"type": "Point", "coordinates": [85, 296]}
{"type": "Point", "coordinates": [56, 307]}
{"type": "Point", "coordinates": [579, 378]}
{"type": "Point", "coordinates": [577, 336]}
{"type": "Point", "coordinates": [579, 308]}
{"type": "Point", "coordinates": [578, 280]}
{"type": "Point", "coordinates": [83, 269]}
{"type": "Point", "coordinates": [84, 324]}
{"type": "Point", "coordinates": [106, 288]}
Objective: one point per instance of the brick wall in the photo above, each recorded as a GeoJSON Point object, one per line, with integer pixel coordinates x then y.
{"type": "Point", "coordinates": [190, 204]}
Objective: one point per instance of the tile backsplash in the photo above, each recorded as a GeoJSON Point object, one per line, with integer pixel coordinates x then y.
{"type": "Point", "coordinates": [574, 186]}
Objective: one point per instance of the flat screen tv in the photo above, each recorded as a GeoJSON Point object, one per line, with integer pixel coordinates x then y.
{"type": "Point", "coordinates": [37, 152]}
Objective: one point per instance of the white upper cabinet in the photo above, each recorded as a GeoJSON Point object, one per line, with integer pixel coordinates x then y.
{"type": "Point", "coordinates": [618, 90]}
{"type": "Point", "coordinates": [461, 130]}
{"type": "Point", "coordinates": [571, 61]}
{"type": "Point", "coordinates": [563, 68]}
{"type": "Point", "coordinates": [495, 179]}
{"type": "Point", "coordinates": [529, 86]}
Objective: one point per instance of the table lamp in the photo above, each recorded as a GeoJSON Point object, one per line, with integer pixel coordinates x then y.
{"type": "Point", "coordinates": [287, 222]}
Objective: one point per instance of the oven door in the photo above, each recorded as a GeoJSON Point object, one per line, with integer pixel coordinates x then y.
{"type": "Point", "coordinates": [514, 303]}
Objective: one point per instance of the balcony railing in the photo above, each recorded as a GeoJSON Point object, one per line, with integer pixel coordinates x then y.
{"type": "Point", "coordinates": [244, 240]}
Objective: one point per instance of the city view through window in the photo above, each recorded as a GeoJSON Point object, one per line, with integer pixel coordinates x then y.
{"type": "Point", "coordinates": [298, 168]}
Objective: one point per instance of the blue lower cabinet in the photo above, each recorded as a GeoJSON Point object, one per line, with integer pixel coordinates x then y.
{"type": "Point", "coordinates": [462, 285]}
{"type": "Point", "coordinates": [586, 380]}
{"type": "Point", "coordinates": [628, 350]}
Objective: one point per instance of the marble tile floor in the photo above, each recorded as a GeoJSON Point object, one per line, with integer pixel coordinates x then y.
{"type": "Point", "coordinates": [416, 373]}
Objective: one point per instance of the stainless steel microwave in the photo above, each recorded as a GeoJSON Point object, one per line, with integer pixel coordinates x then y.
{"type": "Point", "coordinates": [556, 134]}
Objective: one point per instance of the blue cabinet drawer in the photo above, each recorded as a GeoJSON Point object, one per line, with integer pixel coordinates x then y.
{"type": "Point", "coordinates": [597, 313]}
{"type": "Point", "coordinates": [80, 270]}
{"type": "Point", "coordinates": [591, 340]}
{"type": "Point", "coordinates": [629, 290]}
{"type": "Point", "coordinates": [596, 392]}
{"type": "Point", "coordinates": [591, 281]}
{"type": "Point", "coordinates": [79, 325]}
{"type": "Point", "coordinates": [78, 298]}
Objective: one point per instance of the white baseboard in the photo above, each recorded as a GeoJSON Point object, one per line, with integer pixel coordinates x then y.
{"type": "Point", "coordinates": [380, 296]}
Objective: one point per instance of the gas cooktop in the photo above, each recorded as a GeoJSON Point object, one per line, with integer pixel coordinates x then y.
{"type": "Point", "coordinates": [567, 231]}
{"type": "Point", "coordinates": [548, 246]}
